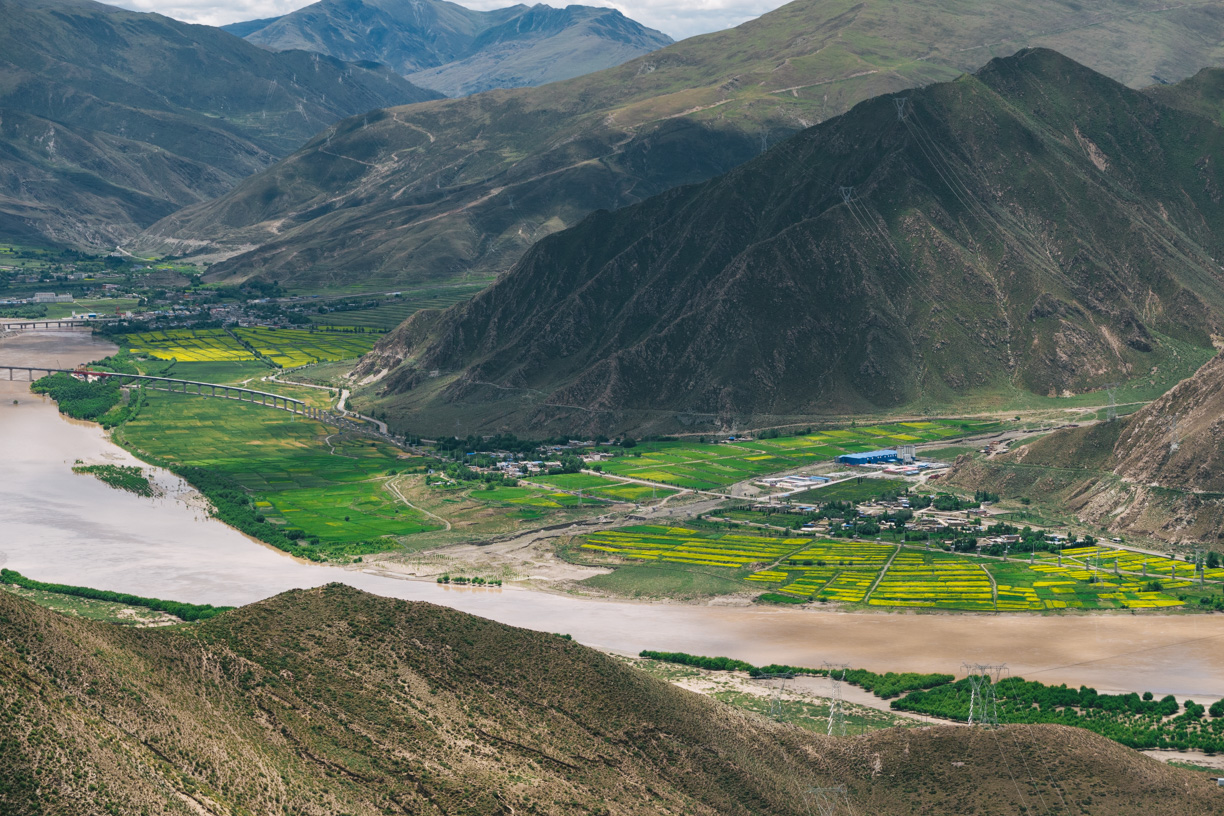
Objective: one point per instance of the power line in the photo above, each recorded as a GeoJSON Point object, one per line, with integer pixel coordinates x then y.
{"type": "Point", "coordinates": [837, 713]}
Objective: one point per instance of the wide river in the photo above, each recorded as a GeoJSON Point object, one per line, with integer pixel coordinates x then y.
{"type": "Point", "coordinates": [62, 527]}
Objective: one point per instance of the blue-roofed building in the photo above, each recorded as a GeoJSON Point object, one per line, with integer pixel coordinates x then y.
{"type": "Point", "coordinates": [869, 458]}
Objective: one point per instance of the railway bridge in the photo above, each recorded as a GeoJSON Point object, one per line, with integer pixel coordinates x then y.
{"type": "Point", "coordinates": [176, 386]}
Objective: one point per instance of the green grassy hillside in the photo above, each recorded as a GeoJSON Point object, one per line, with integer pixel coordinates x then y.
{"type": "Point", "coordinates": [1036, 226]}
{"type": "Point", "coordinates": [332, 701]}
{"type": "Point", "coordinates": [459, 189]}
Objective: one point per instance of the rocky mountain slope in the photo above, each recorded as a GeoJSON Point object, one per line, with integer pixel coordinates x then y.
{"type": "Point", "coordinates": [460, 51]}
{"type": "Point", "coordinates": [333, 701]}
{"type": "Point", "coordinates": [1036, 225]}
{"type": "Point", "coordinates": [111, 119]}
{"type": "Point", "coordinates": [460, 188]}
{"type": "Point", "coordinates": [1127, 476]}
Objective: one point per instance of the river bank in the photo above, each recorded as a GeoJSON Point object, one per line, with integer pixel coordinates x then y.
{"type": "Point", "coordinates": [66, 528]}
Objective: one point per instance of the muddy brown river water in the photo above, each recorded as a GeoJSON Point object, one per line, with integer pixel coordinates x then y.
{"type": "Point", "coordinates": [62, 527]}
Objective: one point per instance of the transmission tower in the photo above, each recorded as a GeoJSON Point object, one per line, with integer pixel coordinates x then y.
{"type": "Point", "coordinates": [983, 693]}
{"type": "Point", "coordinates": [1112, 390]}
{"type": "Point", "coordinates": [775, 699]}
{"type": "Point", "coordinates": [837, 713]}
{"type": "Point", "coordinates": [831, 801]}
{"type": "Point", "coordinates": [901, 104]}
{"type": "Point", "coordinates": [847, 194]}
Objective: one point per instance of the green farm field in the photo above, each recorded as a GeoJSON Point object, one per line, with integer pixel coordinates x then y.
{"type": "Point", "coordinates": [700, 466]}
{"type": "Point", "coordinates": [302, 473]}
{"type": "Point", "coordinates": [393, 311]}
{"type": "Point", "coordinates": [605, 488]}
{"type": "Point", "coordinates": [285, 348]}
{"type": "Point", "coordinates": [348, 493]}
{"type": "Point", "coordinates": [875, 574]}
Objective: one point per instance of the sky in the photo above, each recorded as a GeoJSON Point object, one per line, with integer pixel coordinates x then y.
{"type": "Point", "coordinates": [677, 18]}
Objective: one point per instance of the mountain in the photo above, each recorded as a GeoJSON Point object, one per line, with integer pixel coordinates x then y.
{"type": "Point", "coordinates": [1034, 226]}
{"type": "Point", "coordinates": [1125, 476]}
{"type": "Point", "coordinates": [333, 701]}
{"type": "Point", "coordinates": [111, 119]}
{"type": "Point", "coordinates": [457, 50]}
{"type": "Point", "coordinates": [460, 188]}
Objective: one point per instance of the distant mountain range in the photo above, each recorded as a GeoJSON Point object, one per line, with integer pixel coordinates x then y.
{"type": "Point", "coordinates": [330, 701]}
{"type": "Point", "coordinates": [112, 119]}
{"type": "Point", "coordinates": [1034, 226]}
{"type": "Point", "coordinates": [460, 188]}
{"type": "Point", "coordinates": [456, 50]}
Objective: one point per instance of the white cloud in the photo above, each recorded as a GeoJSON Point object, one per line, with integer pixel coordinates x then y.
{"type": "Point", "coordinates": [678, 18]}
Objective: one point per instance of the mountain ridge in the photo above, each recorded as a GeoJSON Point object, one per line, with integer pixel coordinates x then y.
{"type": "Point", "coordinates": [113, 119]}
{"type": "Point", "coordinates": [459, 189]}
{"type": "Point", "coordinates": [331, 700]}
{"type": "Point", "coordinates": [1034, 226]}
{"type": "Point", "coordinates": [459, 51]}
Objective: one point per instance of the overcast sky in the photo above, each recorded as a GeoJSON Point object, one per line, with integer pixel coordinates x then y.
{"type": "Point", "coordinates": [679, 18]}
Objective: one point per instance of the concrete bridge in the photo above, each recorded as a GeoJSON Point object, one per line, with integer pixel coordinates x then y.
{"type": "Point", "coordinates": [46, 325]}
{"type": "Point", "coordinates": [202, 389]}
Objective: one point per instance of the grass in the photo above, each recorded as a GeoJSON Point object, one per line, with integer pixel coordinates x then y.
{"type": "Point", "coordinates": [605, 488]}
{"type": "Point", "coordinates": [853, 490]}
{"type": "Point", "coordinates": [702, 466]}
{"type": "Point", "coordinates": [105, 611]}
{"type": "Point", "coordinates": [303, 474]}
{"type": "Point", "coordinates": [391, 312]}
{"type": "Point", "coordinates": [667, 581]}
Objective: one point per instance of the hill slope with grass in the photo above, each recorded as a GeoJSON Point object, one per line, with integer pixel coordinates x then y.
{"type": "Point", "coordinates": [1126, 476]}
{"type": "Point", "coordinates": [459, 189]}
{"type": "Point", "coordinates": [114, 119]}
{"type": "Point", "coordinates": [1036, 226]}
{"type": "Point", "coordinates": [333, 701]}
{"type": "Point", "coordinates": [460, 51]}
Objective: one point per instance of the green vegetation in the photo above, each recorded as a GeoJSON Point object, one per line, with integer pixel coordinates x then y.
{"type": "Point", "coordinates": [291, 482]}
{"type": "Point", "coordinates": [1137, 721]}
{"type": "Point", "coordinates": [90, 609]}
{"type": "Point", "coordinates": [99, 400]}
{"type": "Point", "coordinates": [121, 477]}
{"type": "Point", "coordinates": [602, 487]}
{"type": "Point", "coordinates": [710, 467]}
{"type": "Point", "coordinates": [184, 611]}
{"type": "Point", "coordinates": [885, 685]}
{"type": "Point", "coordinates": [284, 348]}
{"type": "Point", "coordinates": [673, 581]}
{"type": "Point", "coordinates": [854, 490]}
{"type": "Point", "coordinates": [390, 312]}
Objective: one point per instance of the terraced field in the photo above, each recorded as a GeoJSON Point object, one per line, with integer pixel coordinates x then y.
{"type": "Point", "coordinates": [700, 466]}
{"type": "Point", "coordinates": [283, 347]}
{"type": "Point", "coordinates": [887, 575]}
{"type": "Point", "coordinates": [189, 345]}
{"type": "Point", "coordinates": [289, 348]}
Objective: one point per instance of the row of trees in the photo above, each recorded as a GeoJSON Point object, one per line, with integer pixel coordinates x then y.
{"type": "Point", "coordinates": [183, 611]}
{"type": "Point", "coordinates": [889, 684]}
{"type": "Point", "coordinates": [1140, 721]}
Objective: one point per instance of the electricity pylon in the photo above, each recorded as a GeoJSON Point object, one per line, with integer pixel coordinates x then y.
{"type": "Point", "coordinates": [837, 713]}
{"type": "Point", "coordinates": [983, 693]}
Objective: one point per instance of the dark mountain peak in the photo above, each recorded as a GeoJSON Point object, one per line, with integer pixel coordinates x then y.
{"type": "Point", "coordinates": [885, 258]}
